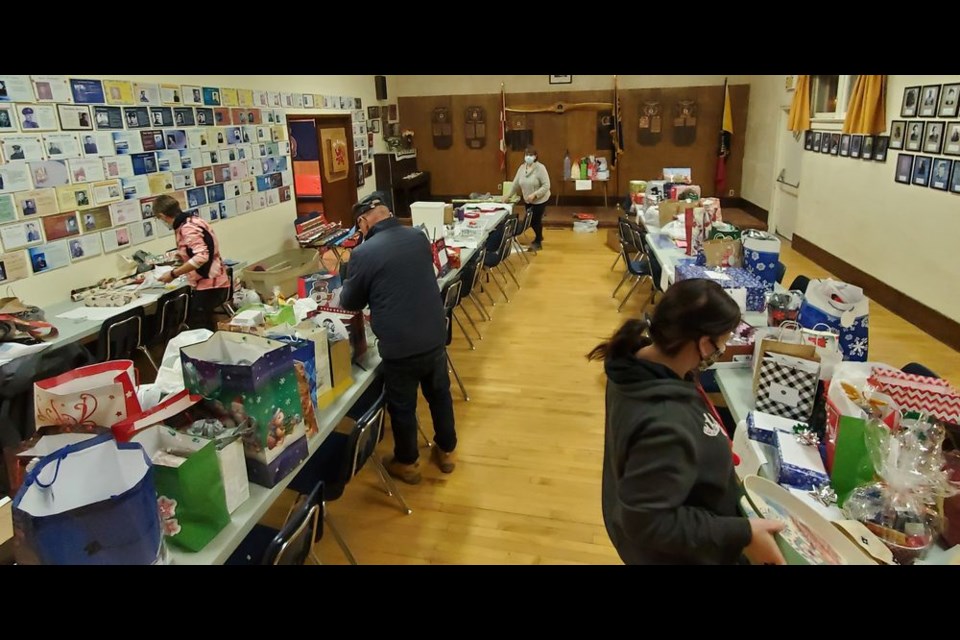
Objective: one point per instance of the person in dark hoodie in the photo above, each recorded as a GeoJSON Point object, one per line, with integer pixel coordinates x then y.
{"type": "Point", "coordinates": [670, 495]}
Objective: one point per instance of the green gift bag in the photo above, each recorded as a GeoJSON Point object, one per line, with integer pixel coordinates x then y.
{"type": "Point", "coordinates": [724, 230]}
{"type": "Point", "coordinates": [852, 466]}
{"type": "Point", "coordinates": [190, 493]}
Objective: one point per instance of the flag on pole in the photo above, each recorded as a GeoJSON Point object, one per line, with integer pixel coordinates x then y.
{"type": "Point", "coordinates": [617, 131]}
{"type": "Point", "coordinates": [726, 135]}
{"type": "Point", "coordinates": [503, 129]}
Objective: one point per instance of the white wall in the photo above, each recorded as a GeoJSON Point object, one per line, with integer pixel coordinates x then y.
{"type": "Point", "coordinates": [249, 237]}
{"type": "Point", "coordinates": [906, 236]}
{"type": "Point", "coordinates": [436, 85]}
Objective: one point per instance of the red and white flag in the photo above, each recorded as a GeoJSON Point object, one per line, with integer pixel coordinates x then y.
{"type": "Point", "coordinates": [503, 130]}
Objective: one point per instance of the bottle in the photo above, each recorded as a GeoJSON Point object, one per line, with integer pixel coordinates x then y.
{"type": "Point", "coordinates": [566, 164]}
{"type": "Point", "coordinates": [583, 168]}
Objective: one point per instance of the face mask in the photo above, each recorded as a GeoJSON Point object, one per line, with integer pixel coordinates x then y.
{"type": "Point", "coordinates": [529, 159]}
{"type": "Point", "coordinates": [711, 359]}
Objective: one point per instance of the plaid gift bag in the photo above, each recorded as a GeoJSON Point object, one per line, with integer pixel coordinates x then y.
{"type": "Point", "coordinates": [787, 386]}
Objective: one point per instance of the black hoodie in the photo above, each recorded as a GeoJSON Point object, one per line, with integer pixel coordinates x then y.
{"type": "Point", "coordinates": [669, 491]}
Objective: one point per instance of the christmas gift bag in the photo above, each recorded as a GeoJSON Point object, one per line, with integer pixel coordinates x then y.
{"type": "Point", "coordinates": [93, 502]}
{"type": "Point", "coordinates": [787, 386]}
{"type": "Point", "coordinates": [842, 307]}
{"type": "Point", "coordinates": [761, 253]}
{"type": "Point", "coordinates": [98, 395]}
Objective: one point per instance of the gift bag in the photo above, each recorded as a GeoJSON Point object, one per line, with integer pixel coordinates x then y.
{"type": "Point", "coordinates": [697, 224]}
{"type": "Point", "coordinates": [305, 365]}
{"type": "Point", "coordinates": [17, 458]}
{"type": "Point", "coordinates": [190, 494]}
{"type": "Point", "coordinates": [842, 307]}
{"type": "Point", "coordinates": [785, 340]}
{"type": "Point", "coordinates": [353, 321]}
{"type": "Point", "coordinates": [827, 343]}
{"type": "Point", "coordinates": [97, 395]}
{"type": "Point", "coordinates": [787, 386]}
{"type": "Point", "coordinates": [919, 393]}
{"type": "Point", "coordinates": [722, 252]}
{"type": "Point", "coordinates": [89, 503]}
{"type": "Point", "coordinates": [250, 382]}
{"type": "Point", "coordinates": [178, 411]}
{"type": "Point", "coordinates": [761, 253]}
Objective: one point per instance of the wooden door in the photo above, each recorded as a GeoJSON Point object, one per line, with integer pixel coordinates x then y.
{"type": "Point", "coordinates": [338, 175]}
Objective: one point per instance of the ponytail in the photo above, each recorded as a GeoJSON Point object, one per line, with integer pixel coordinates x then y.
{"type": "Point", "coordinates": [629, 338]}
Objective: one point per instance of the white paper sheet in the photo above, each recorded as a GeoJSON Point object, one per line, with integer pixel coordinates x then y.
{"type": "Point", "coordinates": [583, 185]}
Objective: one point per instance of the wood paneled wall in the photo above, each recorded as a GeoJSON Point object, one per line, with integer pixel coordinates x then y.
{"type": "Point", "coordinates": [459, 170]}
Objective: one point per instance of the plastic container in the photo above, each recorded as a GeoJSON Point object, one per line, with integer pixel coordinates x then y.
{"type": "Point", "coordinates": [281, 270]}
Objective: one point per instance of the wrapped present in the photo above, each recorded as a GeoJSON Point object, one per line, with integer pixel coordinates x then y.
{"type": "Point", "coordinates": [761, 253]}
{"type": "Point", "coordinates": [730, 278]}
{"type": "Point", "coordinates": [762, 426]}
{"type": "Point", "coordinates": [798, 465]}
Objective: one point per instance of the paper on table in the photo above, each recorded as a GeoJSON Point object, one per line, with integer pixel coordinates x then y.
{"type": "Point", "coordinates": [583, 185]}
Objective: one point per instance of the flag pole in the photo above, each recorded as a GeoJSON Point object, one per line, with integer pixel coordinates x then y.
{"type": "Point", "coordinates": [503, 131]}
{"type": "Point", "coordinates": [616, 125]}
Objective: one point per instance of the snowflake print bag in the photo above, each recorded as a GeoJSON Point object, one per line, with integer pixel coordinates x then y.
{"type": "Point", "coordinates": [842, 307]}
{"type": "Point", "coordinates": [99, 395]}
{"type": "Point", "coordinates": [249, 382]}
{"type": "Point", "coordinates": [93, 502]}
{"type": "Point", "coordinates": [761, 253]}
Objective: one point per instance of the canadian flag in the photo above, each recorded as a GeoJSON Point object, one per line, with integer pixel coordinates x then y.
{"type": "Point", "coordinates": [503, 130]}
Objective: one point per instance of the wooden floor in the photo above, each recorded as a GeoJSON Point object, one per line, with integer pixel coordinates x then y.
{"type": "Point", "coordinates": [527, 486]}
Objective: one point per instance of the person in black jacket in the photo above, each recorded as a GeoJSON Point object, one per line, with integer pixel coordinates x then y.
{"type": "Point", "coordinates": [670, 495]}
{"type": "Point", "coordinates": [392, 271]}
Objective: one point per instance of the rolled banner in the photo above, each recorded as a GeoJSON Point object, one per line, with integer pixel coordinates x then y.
{"type": "Point", "coordinates": [761, 253]}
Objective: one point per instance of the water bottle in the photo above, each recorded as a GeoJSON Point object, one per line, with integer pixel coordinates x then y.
{"type": "Point", "coordinates": [566, 164]}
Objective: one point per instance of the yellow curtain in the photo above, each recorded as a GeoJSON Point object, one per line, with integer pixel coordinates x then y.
{"type": "Point", "coordinates": [867, 112]}
{"type": "Point", "coordinates": [798, 120]}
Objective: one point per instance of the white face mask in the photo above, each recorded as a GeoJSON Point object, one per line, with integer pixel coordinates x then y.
{"type": "Point", "coordinates": [529, 159]}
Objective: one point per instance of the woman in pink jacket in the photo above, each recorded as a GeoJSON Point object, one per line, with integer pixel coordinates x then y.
{"type": "Point", "coordinates": [199, 251]}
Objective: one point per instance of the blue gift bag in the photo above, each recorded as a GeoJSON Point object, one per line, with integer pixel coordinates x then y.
{"type": "Point", "coordinates": [761, 253]}
{"type": "Point", "coordinates": [88, 503]}
{"type": "Point", "coordinates": [842, 307]}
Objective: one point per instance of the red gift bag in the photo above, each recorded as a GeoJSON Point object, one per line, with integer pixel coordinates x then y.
{"type": "Point", "coordinates": [101, 395]}
{"type": "Point", "coordinates": [919, 393]}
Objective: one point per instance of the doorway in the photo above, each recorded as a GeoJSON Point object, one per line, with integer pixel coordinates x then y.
{"type": "Point", "coordinates": [324, 171]}
{"type": "Point", "coordinates": [786, 186]}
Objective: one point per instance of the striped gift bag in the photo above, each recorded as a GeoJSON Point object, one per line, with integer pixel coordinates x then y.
{"type": "Point", "coordinates": [919, 393]}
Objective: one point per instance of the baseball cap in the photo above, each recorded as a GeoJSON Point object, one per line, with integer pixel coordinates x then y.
{"type": "Point", "coordinates": [371, 201]}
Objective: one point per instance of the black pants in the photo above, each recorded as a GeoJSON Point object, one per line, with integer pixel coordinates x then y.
{"type": "Point", "coordinates": [537, 211]}
{"type": "Point", "coordinates": [202, 304]}
{"type": "Point", "coordinates": [428, 371]}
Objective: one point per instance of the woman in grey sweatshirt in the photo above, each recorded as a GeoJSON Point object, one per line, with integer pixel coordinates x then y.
{"type": "Point", "coordinates": [533, 182]}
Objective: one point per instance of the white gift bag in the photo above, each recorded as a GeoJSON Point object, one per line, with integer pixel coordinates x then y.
{"type": "Point", "coordinates": [97, 395]}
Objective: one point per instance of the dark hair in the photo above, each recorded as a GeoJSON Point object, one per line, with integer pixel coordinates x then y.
{"type": "Point", "coordinates": [689, 310]}
{"type": "Point", "coordinates": [167, 206]}
{"type": "Point", "coordinates": [531, 151]}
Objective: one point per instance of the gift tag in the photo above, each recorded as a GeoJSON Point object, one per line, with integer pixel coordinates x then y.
{"type": "Point", "coordinates": [783, 394]}
{"type": "Point", "coordinates": [847, 318]}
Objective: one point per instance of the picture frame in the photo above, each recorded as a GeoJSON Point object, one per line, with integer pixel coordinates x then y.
{"type": "Point", "coordinates": [817, 137]}
{"type": "Point", "coordinates": [358, 168]}
{"type": "Point", "coordinates": [856, 142]}
{"type": "Point", "coordinates": [929, 100]}
{"type": "Point", "coordinates": [880, 146]}
{"type": "Point", "coordinates": [951, 139]}
{"type": "Point", "coordinates": [834, 144]}
{"type": "Point", "coordinates": [933, 137]}
{"type": "Point", "coordinates": [392, 113]}
{"type": "Point", "coordinates": [74, 117]}
{"type": "Point", "coordinates": [866, 151]}
{"type": "Point", "coordinates": [375, 126]}
{"type": "Point", "coordinates": [914, 136]}
{"type": "Point", "coordinates": [825, 143]}
{"type": "Point", "coordinates": [8, 118]}
{"type": "Point", "coordinates": [561, 79]}
{"type": "Point", "coordinates": [845, 145]}
{"type": "Point", "coordinates": [922, 165]}
{"type": "Point", "coordinates": [949, 101]}
{"type": "Point", "coordinates": [898, 133]}
{"type": "Point", "coordinates": [373, 112]}
{"type": "Point", "coordinates": [940, 174]}
{"type": "Point", "coordinates": [910, 103]}
{"type": "Point", "coordinates": [904, 168]}
{"type": "Point", "coordinates": [808, 139]}
{"type": "Point", "coordinates": [367, 169]}
{"type": "Point", "coordinates": [955, 177]}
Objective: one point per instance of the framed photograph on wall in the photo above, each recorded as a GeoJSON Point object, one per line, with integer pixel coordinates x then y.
{"type": "Point", "coordinates": [845, 145]}
{"type": "Point", "coordinates": [949, 99]}
{"type": "Point", "coordinates": [866, 151]}
{"type": "Point", "coordinates": [898, 129]}
{"type": "Point", "coordinates": [951, 139]}
{"type": "Point", "coordinates": [940, 175]}
{"type": "Point", "coordinates": [933, 137]}
{"type": "Point", "coordinates": [855, 143]}
{"type": "Point", "coordinates": [825, 144]}
{"type": "Point", "coordinates": [914, 136]}
{"type": "Point", "coordinates": [808, 139]}
{"type": "Point", "coordinates": [358, 168]}
{"type": "Point", "coordinates": [561, 79]}
{"type": "Point", "coordinates": [911, 100]}
{"type": "Point", "coordinates": [904, 168]}
{"type": "Point", "coordinates": [921, 170]}
{"type": "Point", "coordinates": [880, 146]}
{"type": "Point", "coordinates": [74, 117]}
{"type": "Point", "coordinates": [955, 177]}
{"type": "Point", "coordinates": [834, 144]}
{"type": "Point", "coordinates": [817, 137]}
{"type": "Point", "coordinates": [929, 99]}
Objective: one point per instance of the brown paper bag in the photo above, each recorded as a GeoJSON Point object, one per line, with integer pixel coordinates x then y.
{"type": "Point", "coordinates": [670, 209]}
{"type": "Point", "coordinates": [723, 252]}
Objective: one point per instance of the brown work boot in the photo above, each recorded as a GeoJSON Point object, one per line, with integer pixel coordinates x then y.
{"type": "Point", "coordinates": [409, 473]}
{"type": "Point", "coordinates": [446, 461]}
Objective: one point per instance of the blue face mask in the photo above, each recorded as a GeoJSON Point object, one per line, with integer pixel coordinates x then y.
{"type": "Point", "coordinates": [529, 159]}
